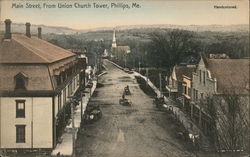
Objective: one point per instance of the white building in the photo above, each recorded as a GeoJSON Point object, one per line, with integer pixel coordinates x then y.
{"type": "Point", "coordinates": [36, 78]}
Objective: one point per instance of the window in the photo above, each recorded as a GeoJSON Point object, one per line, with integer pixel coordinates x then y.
{"type": "Point", "coordinates": [64, 96]}
{"type": "Point", "coordinates": [200, 75]}
{"type": "Point", "coordinates": [20, 108]}
{"type": "Point", "coordinates": [189, 91]}
{"type": "Point", "coordinates": [20, 133]}
{"type": "Point", "coordinates": [193, 93]}
{"type": "Point", "coordinates": [20, 80]}
{"type": "Point", "coordinates": [204, 77]}
{"type": "Point", "coordinates": [185, 89]}
{"type": "Point", "coordinates": [59, 101]}
{"type": "Point", "coordinates": [20, 84]}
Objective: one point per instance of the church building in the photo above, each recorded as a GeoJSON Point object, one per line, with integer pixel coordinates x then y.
{"type": "Point", "coordinates": [118, 51]}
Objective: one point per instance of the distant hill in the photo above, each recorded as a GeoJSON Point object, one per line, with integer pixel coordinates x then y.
{"type": "Point", "coordinates": [20, 28]}
{"type": "Point", "coordinates": [199, 28]}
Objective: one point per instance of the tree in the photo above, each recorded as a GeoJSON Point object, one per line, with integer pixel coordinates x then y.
{"type": "Point", "coordinates": [229, 120]}
{"type": "Point", "coordinates": [170, 47]}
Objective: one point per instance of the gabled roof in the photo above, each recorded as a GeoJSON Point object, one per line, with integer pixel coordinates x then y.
{"type": "Point", "coordinates": [22, 49]}
{"type": "Point", "coordinates": [183, 70]}
{"type": "Point", "coordinates": [232, 75]}
{"type": "Point", "coordinates": [21, 74]}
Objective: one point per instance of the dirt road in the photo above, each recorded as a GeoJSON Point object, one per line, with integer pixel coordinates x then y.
{"type": "Point", "coordinates": [137, 131]}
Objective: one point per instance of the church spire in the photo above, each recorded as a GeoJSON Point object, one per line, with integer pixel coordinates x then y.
{"type": "Point", "coordinates": [114, 41]}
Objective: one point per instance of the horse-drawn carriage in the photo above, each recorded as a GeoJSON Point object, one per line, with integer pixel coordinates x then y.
{"type": "Point", "coordinates": [125, 102]}
{"type": "Point", "coordinates": [92, 113]}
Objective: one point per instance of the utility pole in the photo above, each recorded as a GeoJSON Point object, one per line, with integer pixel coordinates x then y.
{"type": "Point", "coordinates": [147, 73]}
{"type": "Point", "coordinates": [125, 64]}
{"type": "Point", "coordinates": [160, 84]}
{"type": "Point", "coordinates": [139, 67]}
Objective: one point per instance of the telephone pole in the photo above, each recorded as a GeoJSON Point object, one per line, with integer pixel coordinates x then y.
{"type": "Point", "coordinates": [139, 67]}
{"type": "Point", "coordinates": [160, 84]}
{"type": "Point", "coordinates": [147, 73]}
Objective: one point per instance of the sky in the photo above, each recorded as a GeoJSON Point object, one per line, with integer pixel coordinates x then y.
{"type": "Point", "coordinates": [177, 12]}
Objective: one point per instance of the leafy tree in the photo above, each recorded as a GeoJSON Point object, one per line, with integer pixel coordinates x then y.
{"type": "Point", "coordinates": [170, 47]}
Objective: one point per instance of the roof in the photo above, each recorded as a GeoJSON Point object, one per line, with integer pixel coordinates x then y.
{"type": "Point", "coordinates": [232, 75]}
{"type": "Point", "coordinates": [22, 49]}
{"type": "Point", "coordinates": [123, 48]}
{"type": "Point", "coordinates": [38, 77]}
{"type": "Point", "coordinates": [184, 70]}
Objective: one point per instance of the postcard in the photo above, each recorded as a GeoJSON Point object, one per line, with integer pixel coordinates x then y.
{"type": "Point", "coordinates": [128, 78]}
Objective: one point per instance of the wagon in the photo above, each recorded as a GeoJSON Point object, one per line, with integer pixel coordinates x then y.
{"type": "Point", "coordinates": [125, 102]}
{"type": "Point", "coordinates": [92, 113]}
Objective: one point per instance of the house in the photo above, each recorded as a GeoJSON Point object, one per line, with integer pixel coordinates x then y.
{"type": "Point", "coordinates": [218, 78]}
{"type": "Point", "coordinates": [176, 84]}
{"type": "Point", "coordinates": [187, 90]}
{"type": "Point", "coordinates": [36, 80]}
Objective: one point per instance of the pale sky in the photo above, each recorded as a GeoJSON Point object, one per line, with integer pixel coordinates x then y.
{"type": "Point", "coordinates": [179, 12]}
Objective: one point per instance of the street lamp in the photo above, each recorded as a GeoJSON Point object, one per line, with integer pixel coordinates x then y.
{"type": "Point", "coordinates": [125, 59]}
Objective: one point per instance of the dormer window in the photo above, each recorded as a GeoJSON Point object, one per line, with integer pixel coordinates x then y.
{"type": "Point", "coordinates": [20, 81]}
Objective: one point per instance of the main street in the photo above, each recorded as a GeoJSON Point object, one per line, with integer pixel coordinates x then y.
{"type": "Point", "coordinates": [137, 131]}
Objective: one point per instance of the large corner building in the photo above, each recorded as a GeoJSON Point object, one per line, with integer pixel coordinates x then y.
{"type": "Point", "coordinates": [36, 78]}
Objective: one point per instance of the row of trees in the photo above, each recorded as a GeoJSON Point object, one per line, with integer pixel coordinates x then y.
{"type": "Point", "coordinates": [170, 47]}
{"type": "Point", "coordinates": [166, 46]}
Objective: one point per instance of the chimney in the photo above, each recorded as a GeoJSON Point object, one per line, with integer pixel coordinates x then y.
{"type": "Point", "coordinates": [28, 30]}
{"type": "Point", "coordinates": [39, 32]}
{"type": "Point", "coordinates": [7, 29]}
